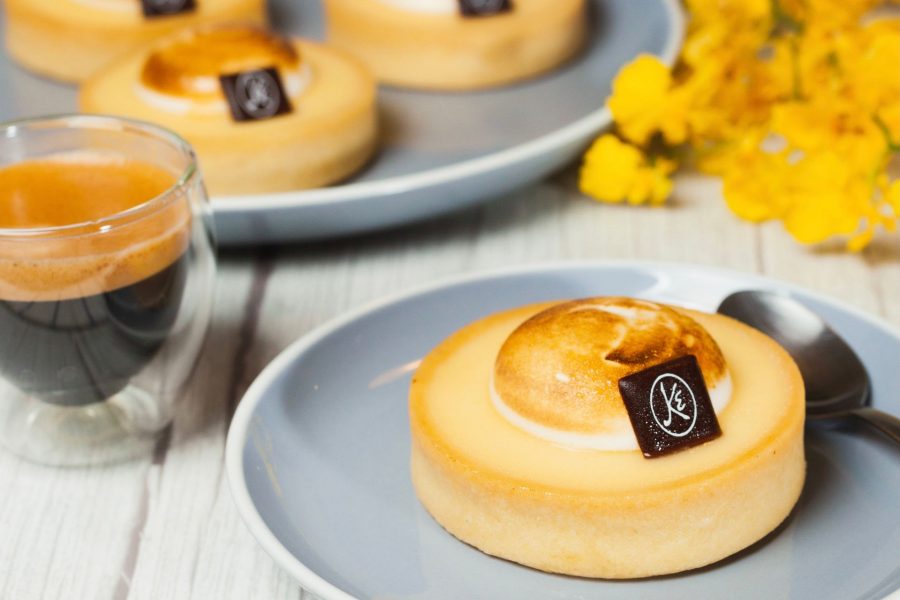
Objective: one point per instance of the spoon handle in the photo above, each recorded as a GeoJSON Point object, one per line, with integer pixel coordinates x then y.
{"type": "Point", "coordinates": [887, 424]}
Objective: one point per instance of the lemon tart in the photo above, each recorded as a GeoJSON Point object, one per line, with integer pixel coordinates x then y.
{"type": "Point", "coordinates": [457, 44]}
{"type": "Point", "coordinates": [524, 446]}
{"type": "Point", "coordinates": [264, 113]}
{"type": "Point", "coordinates": [71, 39]}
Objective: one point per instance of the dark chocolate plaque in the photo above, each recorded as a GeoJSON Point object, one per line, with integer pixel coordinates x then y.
{"type": "Point", "coordinates": [164, 8]}
{"type": "Point", "coordinates": [483, 8]}
{"type": "Point", "coordinates": [255, 95]}
{"type": "Point", "coordinates": [669, 407]}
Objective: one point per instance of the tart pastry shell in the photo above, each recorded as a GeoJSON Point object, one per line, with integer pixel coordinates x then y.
{"type": "Point", "coordinates": [451, 52]}
{"type": "Point", "coordinates": [69, 40]}
{"type": "Point", "coordinates": [606, 514]}
{"type": "Point", "coordinates": [330, 133]}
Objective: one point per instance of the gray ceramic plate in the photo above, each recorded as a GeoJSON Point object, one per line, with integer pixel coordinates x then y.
{"type": "Point", "coordinates": [318, 453]}
{"type": "Point", "coordinates": [440, 152]}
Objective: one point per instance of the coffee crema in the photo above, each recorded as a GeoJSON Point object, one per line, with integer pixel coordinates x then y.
{"type": "Point", "coordinates": [91, 257]}
{"type": "Point", "coordinates": [83, 309]}
{"type": "Point", "coordinates": [67, 191]}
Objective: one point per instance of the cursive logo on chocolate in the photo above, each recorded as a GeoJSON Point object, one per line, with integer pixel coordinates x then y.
{"type": "Point", "coordinates": [669, 407]}
{"type": "Point", "coordinates": [165, 8]}
{"type": "Point", "coordinates": [255, 95]}
{"type": "Point", "coordinates": [483, 8]}
{"type": "Point", "coordinates": [673, 405]}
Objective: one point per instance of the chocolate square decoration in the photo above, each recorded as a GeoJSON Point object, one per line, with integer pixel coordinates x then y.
{"type": "Point", "coordinates": [255, 95]}
{"type": "Point", "coordinates": [483, 8]}
{"type": "Point", "coordinates": [669, 407]}
{"type": "Point", "coordinates": [165, 8]}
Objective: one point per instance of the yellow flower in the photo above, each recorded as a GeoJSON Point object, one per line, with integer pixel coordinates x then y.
{"type": "Point", "coordinates": [652, 183]}
{"type": "Point", "coordinates": [889, 116]}
{"type": "Point", "coordinates": [833, 14]}
{"type": "Point", "coordinates": [861, 239]}
{"type": "Point", "coordinates": [642, 102]}
{"type": "Point", "coordinates": [829, 123]}
{"type": "Point", "coordinates": [892, 196]}
{"type": "Point", "coordinates": [817, 196]}
{"type": "Point", "coordinates": [872, 71]}
{"type": "Point", "coordinates": [737, 10]}
{"type": "Point", "coordinates": [824, 200]}
{"type": "Point", "coordinates": [725, 30]}
{"type": "Point", "coordinates": [614, 171]}
{"type": "Point", "coordinates": [752, 186]}
{"type": "Point", "coordinates": [793, 102]}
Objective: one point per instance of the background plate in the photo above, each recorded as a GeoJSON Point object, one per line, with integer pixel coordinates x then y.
{"type": "Point", "coordinates": [440, 152]}
{"type": "Point", "coordinates": [318, 457]}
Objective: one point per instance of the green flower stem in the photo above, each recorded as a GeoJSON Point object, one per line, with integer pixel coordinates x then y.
{"type": "Point", "coordinates": [893, 146]}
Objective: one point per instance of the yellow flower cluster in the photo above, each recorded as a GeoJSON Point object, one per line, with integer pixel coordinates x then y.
{"type": "Point", "coordinates": [794, 103]}
{"type": "Point", "coordinates": [618, 171]}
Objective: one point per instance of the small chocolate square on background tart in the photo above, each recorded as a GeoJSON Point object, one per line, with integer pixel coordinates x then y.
{"type": "Point", "coordinates": [166, 8]}
{"type": "Point", "coordinates": [255, 95]}
{"type": "Point", "coordinates": [483, 8]}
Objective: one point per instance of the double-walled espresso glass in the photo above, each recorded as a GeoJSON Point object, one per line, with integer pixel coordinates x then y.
{"type": "Point", "coordinates": [104, 302]}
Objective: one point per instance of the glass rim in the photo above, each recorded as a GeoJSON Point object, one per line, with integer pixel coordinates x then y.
{"type": "Point", "coordinates": [8, 129]}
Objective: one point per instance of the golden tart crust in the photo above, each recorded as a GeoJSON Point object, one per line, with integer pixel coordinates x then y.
{"type": "Point", "coordinates": [70, 40]}
{"type": "Point", "coordinates": [595, 513]}
{"type": "Point", "coordinates": [329, 134]}
{"type": "Point", "coordinates": [451, 52]}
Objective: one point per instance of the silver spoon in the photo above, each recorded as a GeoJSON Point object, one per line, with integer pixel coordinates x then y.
{"type": "Point", "coordinates": [837, 385]}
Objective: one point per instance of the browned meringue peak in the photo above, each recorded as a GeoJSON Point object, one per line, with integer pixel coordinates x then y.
{"type": "Point", "coordinates": [560, 369]}
{"type": "Point", "coordinates": [189, 64]}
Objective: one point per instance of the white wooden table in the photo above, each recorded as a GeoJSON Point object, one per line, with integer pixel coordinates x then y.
{"type": "Point", "coordinates": [165, 526]}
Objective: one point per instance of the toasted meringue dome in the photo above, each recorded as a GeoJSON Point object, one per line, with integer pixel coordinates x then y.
{"type": "Point", "coordinates": [190, 64]}
{"type": "Point", "coordinates": [182, 75]}
{"type": "Point", "coordinates": [557, 374]}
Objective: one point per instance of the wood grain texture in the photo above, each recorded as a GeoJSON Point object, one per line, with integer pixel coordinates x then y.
{"type": "Point", "coordinates": [165, 527]}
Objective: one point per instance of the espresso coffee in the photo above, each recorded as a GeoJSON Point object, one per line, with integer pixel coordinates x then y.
{"type": "Point", "coordinates": [83, 310]}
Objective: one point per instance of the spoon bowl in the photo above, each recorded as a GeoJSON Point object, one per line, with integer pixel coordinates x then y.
{"type": "Point", "coordinates": [837, 384]}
